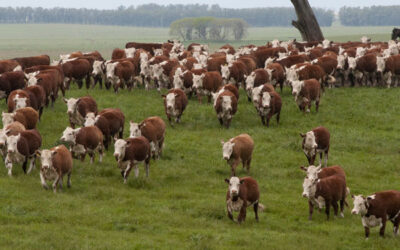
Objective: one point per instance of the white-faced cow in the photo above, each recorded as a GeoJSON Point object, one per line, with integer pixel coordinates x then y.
{"type": "Point", "coordinates": [236, 150]}
{"type": "Point", "coordinates": [78, 108]}
{"type": "Point", "coordinates": [175, 103]}
{"type": "Point", "coordinates": [314, 142]}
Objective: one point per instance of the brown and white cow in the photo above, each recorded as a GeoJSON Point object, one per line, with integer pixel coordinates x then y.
{"type": "Point", "coordinates": [225, 106]}
{"type": "Point", "coordinates": [38, 93]}
{"type": "Point", "coordinates": [377, 209]}
{"type": "Point", "coordinates": [242, 193]}
{"type": "Point", "coordinates": [18, 99]}
{"type": "Point", "coordinates": [256, 78]}
{"type": "Point", "coordinates": [26, 116]}
{"type": "Point", "coordinates": [387, 69]}
{"type": "Point", "coordinates": [50, 81]}
{"type": "Point", "coordinates": [305, 92]}
{"type": "Point", "coordinates": [119, 74]}
{"type": "Point", "coordinates": [27, 62]}
{"type": "Point", "coordinates": [85, 140]}
{"type": "Point", "coordinates": [257, 93]}
{"type": "Point", "coordinates": [234, 73]}
{"type": "Point", "coordinates": [270, 104]}
{"type": "Point", "coordinates": [55, 163]}
{"type": "Point", "coordinates": [206, 83]}
{"type": "Point", "coordinates": [276, 74]}
{"type": "Point", "coordinates": [76, 69]}
{"type": "Point", "coordinates": [128, 153]}
{"type": "Point", "coordinates": [9, 65]}
{"type": "Point", "coordinates": [314, 142]}
{"type": "Point", "coordinates": [21, 148]}
{"type": "Point", "coordinates": [326, 192]}
{"type": "Point", "coordinates": [123, 53]}
{"type": "Point", "coordinates": [153, 128]}
{"type": "Point", "coordinates": [301, 72]}
{"type": "Point", "coordinates": [175, 102]}
{"type": "Point", "coordinates": [10, 81]}
{"type": "Point", "coordinates": [77, 109]}
{"type": "Point", "coordinates": [161, 73]}
{"type": "Point", "coordinates": [238, 149]}
{"type": "Point", "coordinates": [11, 129]}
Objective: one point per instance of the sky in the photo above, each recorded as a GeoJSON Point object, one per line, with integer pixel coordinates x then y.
{"type": "Point", "coordinates": [113, 4]}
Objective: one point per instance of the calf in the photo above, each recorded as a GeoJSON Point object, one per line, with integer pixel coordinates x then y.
{"type": "Point", "coordinates": [153, 128]}
{"type": "Point", "coordinates": [326, 192]}
{"type": "Point", "coordinates": [56, 163]}
{"type": "Point", "coordinates": [128, 153]}
{"type": "Point", "coordinates": [303, 72]}
{"type": "Point", "coordinates": [239, 148]}
{"type": "Point", "coordinates": [21, 148]}
{"type": "Point", "coordinates": [225, 107]}
{"type": "Point", "coordinates": [242, 193]}
{"type": "Point", "coordinates": [376, 209]}
{"type": "Point", "coordinates": [78, 108]}
{"type": "Point", "coordinates": [26, 116]}
{"type": "Point", "coordinates": [270, 103]}
{"type": "Point", "coordinates": [329, 65]}
{"type": "Point", "coordinates": [10, 81]}
{"type": "Point", "coordinates": [11, 129]}
{"type": "Point", "coordinates": [305, 92]}
{"type": "Point", "coordinates": [86, 140]}
{"type": "Point", "coordinates": [316, 141]}
{"type": "Point", "coordinates": [175, 103]}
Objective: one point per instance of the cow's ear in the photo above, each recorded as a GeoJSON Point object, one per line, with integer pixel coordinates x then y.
{"type": "Point", "coordinates": [352, 196]}
{"type": "Point", "coordinates": [163, 96]}
{"type": "Point", "coordinates": [130, 122]}
{"type": "Point", "coordinates": [222, 142]}
{"type": "Point", "coordinates": [176, 95]}
{"type": "Point", "coordinates": [65, 100]}
{"type": "Point", "coordinates": [227, 181]}
{"type": "Point", "coordinates": [53, 153]}
{"type": "Point", "coordinates": [142, 125]}
{"type": "Point", "coordinates": [303, 168]}
{"type": "Point", "coordinates": [302, 135]}
{"type": "Point", "coordinates": [38, 152]}
{"type": "Point", "coordinates": [39, 80]}
{"type": "Point", "coordinates": [272, 96]}
{"type": "Point", "coordinates": [241, 181]}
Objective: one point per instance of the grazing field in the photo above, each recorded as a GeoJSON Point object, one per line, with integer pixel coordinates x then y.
{"type": "Point", "coordinates": [182, 204]}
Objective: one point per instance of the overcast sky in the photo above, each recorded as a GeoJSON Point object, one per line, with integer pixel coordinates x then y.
{"type": "Point", "coordinates": [112, 4]}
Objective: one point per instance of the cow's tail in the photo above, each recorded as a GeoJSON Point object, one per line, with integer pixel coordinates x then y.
{"type": "Point", "coordinates": [261, 207]}
{"type": "Point", "coordinates": [347, 193]}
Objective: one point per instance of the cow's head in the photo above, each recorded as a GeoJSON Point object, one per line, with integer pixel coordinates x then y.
{"type": "Point", "coordinates": [119, 149]}
{"type": "Point", "coordinates": [170, 101]}
{"type": "Point", "coordinates": [225, 72]}
{"type": "Point", "coordinates": [255, 95]}
{"type": "Point", "coordinates": [69, 135]}
{"type": "Point", "coordinates": [134, 129]}
{"type": "Point", "coordinates": [250, 81]}
{"type": "Point", "coordinates": [380, 64]}
{"type": "Point", "coordinates": [198, 81]}
{"type": "Point", "coordinates": [270, 72]}
{"type": "Point", "coordinates": [12, 143]}
{"type": "Point", "coordinates": [309, 140]}
{"type": "Point", "coordinates": [178, 81]}
{"type": "Point", "coordinates": [130, 52]}
{"type": "Point", "coordinates": [145, 68]}
{"type": "Point", "coordinates": [90, 119]}
{"type": "Point", "coordinates": [7, 118]}
{"type": "Point", "coordinates": [309, 187]}
{"type": "Point", "coordinates": [341, 59]}
{"type": "Point", "coordinates": [227, 149]}
{"type": "Point", "coordinates": [156, 71]}
{"type": "Point", "coordinates": [32, 80]}
{"type": "Point", "coordinates": [291, 74]}
{"type": "Point", "coordinates": [20, 102]}
{"type": "Point", "coordinates": [360, 205]}
{"type": "Point", "coordinates": [352, 62]}
{"type": "Point", "coordinates": [230, 58]}
{"type": "Point", "coordinates": [71, 104]}
{"type": "Point", "coordinates": [312, 171]}
{"type": "Point", "coordinates": [266, 99]}
{"type": "Point", "coordinates": [98, 68]}
{"type": "Point", "coordinates": [234, 186]}
{"type": "Point", "coordinates": [297, 86]}
{"type": "Point", "coordinates": [226, 104]}
{"type": "Point", "coordinates": [46, 158]}
{"type": "Point", "coordinates": [110, 70]}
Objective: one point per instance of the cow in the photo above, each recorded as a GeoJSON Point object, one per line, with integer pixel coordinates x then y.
{"type": "Point", "coordinates": [162, 71]}
{"type": "Point", "coordinates": [215, 63]}
{"type": "Point", "coordinates": [387, 68]}
{"type": "Point", "coordinates": [55, 163]}
{"type": "Point", "coordinates": [206, 83]}
{"type": "Point", "coordinates": [21, 148]}
{"type": "Point", "coordinates": [329, 65]}
{"type": "Point", "coordinates": [256, 78]}
{"type": "Point", "coordinates": [230, 87]}
{"type": "Point", "coordinates": [13, 128]}
{"type": "Point", "coordinates": [257, 93]}
{"type": "Point", "coordinates": [19, 99]}
{"type": "Point", "coordinates": [239, 148]}
{"type": "Point", "coordinates": [9, 65]}
{"type": "Point", "coordinates": [77, 69]}
{"type": "Point", "coordinates": [59, 74]}
{"type": "Point", "coordinates": [225, 106]}
{"type": "Point", "coordinates": [123, 53]}
{"type": "Point", "coordinates": [326, 192]}
{"type": "Point", "coordinates": [149, 47]}
{"type": "Point", "coordinates": [270, 103]}
{"type": "Point", "coordinates": [10, 81]}
{"type": "Point", "coordinates": [27, 62]}
{"type": "Point", "coordinates": [305, 92]}
{"type": "Point", "coordinates": [306, 71]}
{"type": "Point", "coordinates": [109, 121]}
{"type": "Point", "coordinates": [234, 73]}
{"type": "Point", "coordinates": [38, 93]}
{"type": "Point", "coordinates": [153, 128]}
{"type": "Point", "coordinates": [77, 108]}
{"type": "Point", "coordinates": [128, 153]}
{"type": "Point", "coordinates": [26, 116]}
{"type": "Point", "coordinates": [377, 209]}
{"type": "Point", "coordinates": [120, 73]}
{"type": "Point", "coordinates": [276, 74]}
{"type": "Point", "coordinates": [85, 140]}
{"type": "Point", "coordinates": [242, 193]}
{"type": "Point", "coordinates": [175, 102]}
{"type": "Point", "coordinates": [99, 73]}
{"type": "Point", "coordinates": [49, 80]}
{"type": "Point", "coordinates": [314, 142]}
{"type": "Point", "coordinates": [364, 67]}
{"type": "Point", "coordinates": [395, 33]}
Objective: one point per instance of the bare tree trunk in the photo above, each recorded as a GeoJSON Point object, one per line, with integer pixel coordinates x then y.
{"type": "Point", "coordinates": [307, 24]}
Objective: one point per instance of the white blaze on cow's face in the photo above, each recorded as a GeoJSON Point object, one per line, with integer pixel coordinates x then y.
{"type": "Point", "coordinates": [130, 52]}
{"type": "Point", "coordinates": [198, 81]}
{"type": "Point", "coordinates": [145, 68]}
{"type": "Point", "coordinates": [359, 203]}
{"type": "Point", "coordinates": [309, 188]}
{"type": "Point", "coordinates": [309, 141]}
{"type": "Point", "coordinates": [110, 69]}
{"type": "Point", "coordinates": [296, 87]}
{"type": "Point", "coordinates": [275, 43]}
{"type": "Point", "coordinates": [234, 186]}
{"type": "Point", "coordinates": [158, 52]}
{"type": "Point", "coordinates": [226, 104]}
{"type": "Point", "coordinates": [227, 149]}
{"type": "Point", "coordinates": [250, 81]}
{"type": "Point", "coordinates": [352, 62]}
{"type": "Point", "coordinates": [266, 100]}
{"type": "Point", "coordinates": [170, 101]}
{"type": "Point", "coordinates": [225, 73]}
{"type": "Point", "coordinates": [291, 74]}
{"type": "Point", "coordinates": [360, 51]}
{"type": "Point", "coordinates": [20, 102]}
{"type": "Point", "coordinates": [7, 118]}
{"type": "Point", "coordinates": [90, 119]}
{"type": "Point", "coordinates": [255, 94]}
{"type": "Point", "coordinates": [312, 172]}
{"type": "Point", "coordinates": [69, 135]}
{"type": "Point", "coordinates": [98, 67]}
{"type": "Point", "coordinates": [326, 43]}
{"type": "Point", "coordinates": [119, 149]}
{"type": "Point", "coordinates": [46, 159]}
{"type": "Point", "coordinates": [3, 137]}
{"type": "Point", "coordinates": [270, 72]}
{"type": "Point", "coordinates": [134, 130]}
{"type": "Point", "coordinates": [157, 70]}
{"type": "Point", "coordinates": [380, 64]}
{"type": "Point", "coordinates": [71, 104]}
{"type": "Point", "coordinates": [12, 143]}
{"type": "Point", "coordinates": [341, 59]}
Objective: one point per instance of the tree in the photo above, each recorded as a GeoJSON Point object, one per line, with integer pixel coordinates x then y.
{"type": "Point", "coordinates": [307, 24]}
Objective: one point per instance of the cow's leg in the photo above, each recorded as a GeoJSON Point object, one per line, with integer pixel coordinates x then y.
{"type": "Point", "coordinates": [40, 112]}
{"type": "Point", "coordinates": [136, 169]}
{"type": "Point", "coordinates": [234, 164]}
{"type": "Point", "coordinates": [335, 207]}
{"type": "Point", "coordinates": [342, 207]}
{"type": "Point", "coordinates": [310, 209]}
{"type": "Point", "coordinates": [80, 83]}
{"type": "Point", "coordinates": [255, 206]}
{"type": "Point", "coordinates": [83, 157]}
{"type": "Point", "coordinates": [91, 155]}
{"type": "Point", "coordinates": [126, 172]}
{"type": "Point", "coordinates": [101, 152]}
{"type": "Point", "coordinates": [262, 119]}
{"type": "Point", "coordinates": [24, 165]}
{"type": "Point", "coordinates": [147, 168]}
{"type": "Point", "coordinates": [88, 81]}
{"type": "Point", "coordinates": [320, 158]}
{"type": "Point", "coordinates": [69, 180]}
{"type": "Point", "coordinates": [31, 164]}
{"type": "Point", "coordinates": [248, 165]}
{"type": "Point", "coordinates": [160, 147]}
{"type": "Point", "coordinates": [326, 158]}
{"type": "Point", "coordinates": [60, 182]}
{"type": "Point", "coordinates": [221, 122]}
{"type": "Point", "coordinates": [366, 232]}
{"type": "Point", "coordinates": [230, 215]}
{"type": "Point", "coordinates": [396, 223]}
{"type": "Point", "coordinates": [43, 181]}
{"type": "Point", "coordinates": [242, 213]}
{"type": "Point", "coordinates": [383, 226]}
{"type": "Point", "coordinates": [55, 183]}
{"type": "Point", "coordinates": [278, 115]}
{"type": "Point", "coordinates": [327, 208]}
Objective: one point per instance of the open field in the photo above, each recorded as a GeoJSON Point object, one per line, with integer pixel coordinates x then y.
{"type": "Point", "coordinates": [182, 204]}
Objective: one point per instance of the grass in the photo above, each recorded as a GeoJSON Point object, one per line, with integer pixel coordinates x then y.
{"type": "Point", "coordinates": [182, 204]}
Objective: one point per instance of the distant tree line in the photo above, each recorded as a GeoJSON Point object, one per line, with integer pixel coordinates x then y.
{"type": "Point", "coordinates": [209, 28]}
{"type": "Point", "coordinates": [154, 15]}
{"type": "Point", "coordinates": [375, 15]}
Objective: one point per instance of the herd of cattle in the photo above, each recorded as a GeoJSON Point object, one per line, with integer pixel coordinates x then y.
{"type": "Point", "coordinates": [30, 84]}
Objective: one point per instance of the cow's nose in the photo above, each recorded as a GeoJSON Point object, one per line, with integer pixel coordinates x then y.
{"type": "Point", "coordinates": [226, 158]}
{"type": "Point", "coordinates": [353, 212]}
{"type": "Point", "coordinates": [294, 93]}
{"type": "Point", "coordinates": [9, 151]}
{"type": "Point", "coordinates": [304, 195]}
